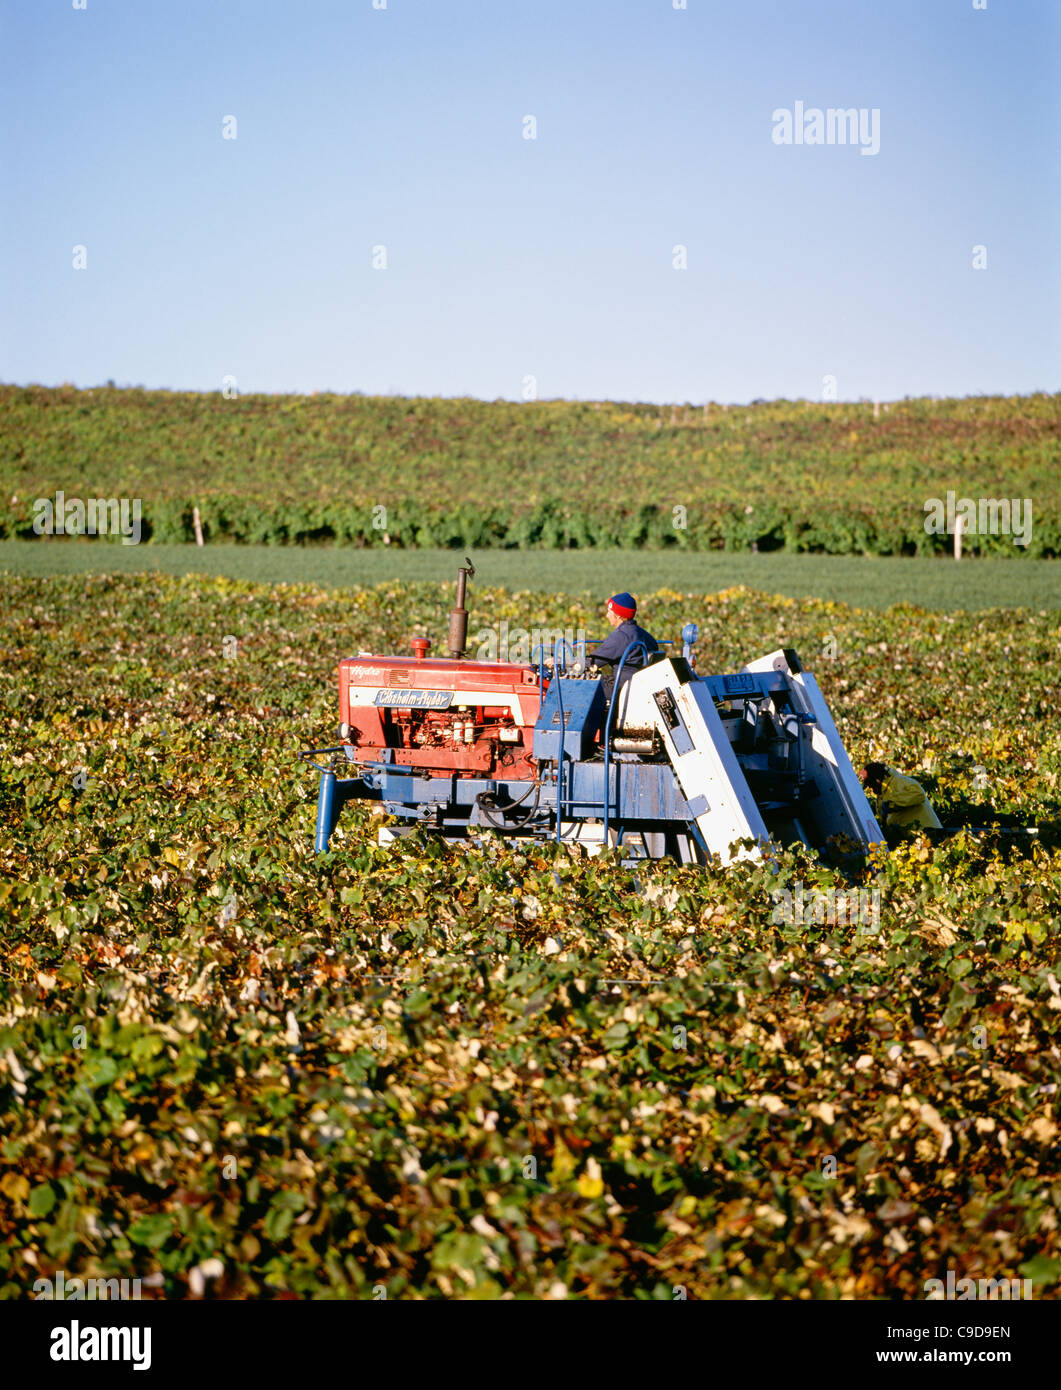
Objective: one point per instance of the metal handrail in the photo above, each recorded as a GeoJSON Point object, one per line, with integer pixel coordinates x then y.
{"type": "Point", "coordinates": [560, 698]}
{"type": "Point", "coordinates": [562, 754]}
{"type": "Point", "coordinates": [560, 651]}
{"type": "Point", "coordinates": [608, 728]}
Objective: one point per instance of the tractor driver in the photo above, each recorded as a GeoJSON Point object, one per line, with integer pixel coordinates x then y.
{"type": "Point", "coordinates": [620, 610]}
{"type": "Point", "coordinates": [902, 800]}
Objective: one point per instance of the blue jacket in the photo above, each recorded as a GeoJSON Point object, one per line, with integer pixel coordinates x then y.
{"type": "Point", "coordinates": [617, 641]}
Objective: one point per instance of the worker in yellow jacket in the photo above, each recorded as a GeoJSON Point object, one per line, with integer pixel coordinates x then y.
{"type": "Point", "coordinates": [902, 800]}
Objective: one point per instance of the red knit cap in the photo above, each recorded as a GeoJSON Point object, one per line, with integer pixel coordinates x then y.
{"type": "Point", "coordinates": [623, 605]}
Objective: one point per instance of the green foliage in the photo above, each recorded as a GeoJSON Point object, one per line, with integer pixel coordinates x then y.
{"type": "Point", "coordinates": [300, 470]}
{"type": "Point", "coordinates": [453, 1073]}
{"type": "Point", "coordinates": [861, 581]}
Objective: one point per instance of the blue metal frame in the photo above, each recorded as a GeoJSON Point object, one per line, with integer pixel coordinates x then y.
{"type": "Point", "coordinates": [561, 759]}
{"type": "Point", "coordinates": [608, 719]}
{"type": "Point", "coordinates": [648, 791]}
{"type": "Point", "coordinates": [559, 654]}
{"type": "Point", "coordinates": [559, 666]}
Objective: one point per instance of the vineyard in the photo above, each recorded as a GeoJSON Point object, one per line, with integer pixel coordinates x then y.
{"type": "Point", "coordinates": [228, 1066]}
{"type": "Point", "coordinates": [836, 478]}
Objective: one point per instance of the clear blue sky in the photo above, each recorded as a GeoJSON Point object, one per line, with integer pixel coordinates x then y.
{"type": "Point", "coordinates": [552, 257]}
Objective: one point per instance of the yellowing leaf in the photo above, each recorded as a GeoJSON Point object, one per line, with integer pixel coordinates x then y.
{"type": "Point", "coordinates": [14, 1186]}
{"type": "Point", "coordinates": [590, 1183]}
{"type": "Point", "coordinates": [564, 1164]}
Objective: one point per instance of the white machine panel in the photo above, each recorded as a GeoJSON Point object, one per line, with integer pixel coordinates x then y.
{"type": "Point", "coordinates": [699, 750]}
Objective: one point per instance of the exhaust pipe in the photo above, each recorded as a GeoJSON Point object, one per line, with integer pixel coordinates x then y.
{"type": "Point", "coordinates": [458, 618]}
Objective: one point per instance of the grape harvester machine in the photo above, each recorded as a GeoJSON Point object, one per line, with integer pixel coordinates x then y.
{"type": "Point", "coordinates": [680, 764]}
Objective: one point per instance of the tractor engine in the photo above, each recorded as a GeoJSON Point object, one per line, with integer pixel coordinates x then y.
{"type": "Point", "coordinates": [439, 715]}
